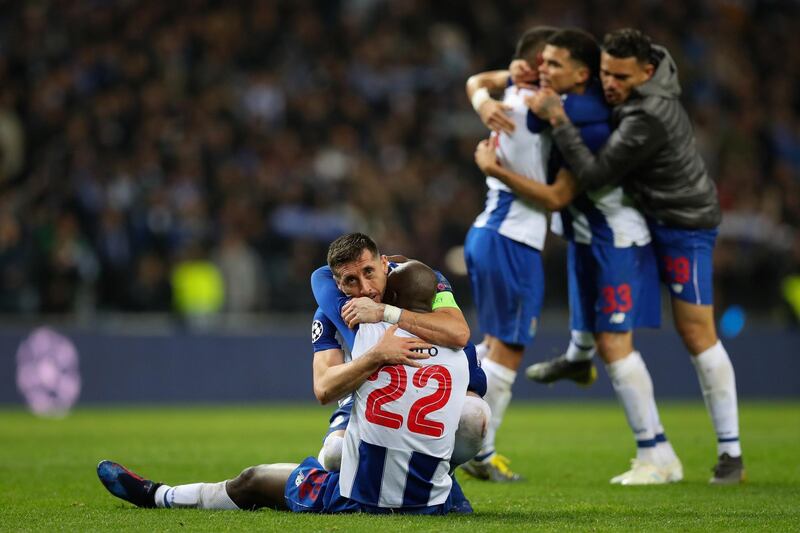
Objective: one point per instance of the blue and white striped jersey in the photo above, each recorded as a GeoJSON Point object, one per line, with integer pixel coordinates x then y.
{"type": "Point", "coordinates": [402, 428]}
{"type": "Point", "coordinates": [525, 153]}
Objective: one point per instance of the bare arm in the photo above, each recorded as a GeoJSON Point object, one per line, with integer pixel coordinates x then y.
{"type": "Point", "coordinates": [333, 378]}
{"type": "Point", "coordinates": [445, 326]}
{"type": "Point", "coordinates": [552, 197]}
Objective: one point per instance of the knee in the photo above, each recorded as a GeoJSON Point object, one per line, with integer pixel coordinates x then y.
{"type": "Point", "coordinates": [472, 427]}
{"type": "Point", "coordinates": [246, 482]}
{"type": "Point", "coordinates": [330, 456]}
{"type": "Point", "coordinates": [697, 335]}
{"type": "Point", "coordinates": [613, 346]}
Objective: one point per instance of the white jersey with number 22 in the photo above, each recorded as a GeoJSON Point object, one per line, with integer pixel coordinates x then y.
{"type": "Point", "coordinates": [402, 429]}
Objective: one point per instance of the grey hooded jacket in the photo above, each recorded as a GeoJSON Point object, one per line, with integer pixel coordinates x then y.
{"type": "Point", "coordinates": [652, 151]}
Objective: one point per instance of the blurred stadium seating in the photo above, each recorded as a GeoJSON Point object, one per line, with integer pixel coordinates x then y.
{"type": "Point", "coordinates": [239, 138]}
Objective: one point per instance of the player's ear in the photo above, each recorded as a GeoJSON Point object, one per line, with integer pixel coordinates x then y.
{"type": "Point", "coordinates": [385, 264]}
{"type": "Point", "coordinates": [583, 74]}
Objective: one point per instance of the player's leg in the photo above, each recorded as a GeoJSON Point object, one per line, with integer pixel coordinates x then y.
{"type": "Point", "coordinates": [620, 303]}
{"type": "Point", "coordinates": [685, 259]}
{"type": "Point", "coordinates": [255, 487]}
{"type": "Point", "coordinates": [330, 455]}
{"type": "Point", "coordinates": [507, 281]}
{"type": "Point", "coordinates": [483, 348]}
{"type": "Point", "coordinates": [575, 364]}
{"type": "Point", "coordinates": [717, 379]}
{"type": "Point", "coordinates": [261, 486]}
{"type": "Point", "coordinates": [500, 366]}
{"type": "Point", "coordinates": [472, 427]}
{"type": "Point", "coordinates": [634, 388]}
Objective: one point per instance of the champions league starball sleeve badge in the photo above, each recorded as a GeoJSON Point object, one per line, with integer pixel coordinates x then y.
{"type": "Point", "coordinates": [47, 373]}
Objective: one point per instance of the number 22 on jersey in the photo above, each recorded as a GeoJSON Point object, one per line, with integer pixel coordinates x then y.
{"type": "Point", "coordinates": [394, 390]}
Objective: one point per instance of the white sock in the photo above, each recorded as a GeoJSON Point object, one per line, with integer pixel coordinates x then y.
{"type": "Point", "coordinates": [665, 453]}
{"type": "Point", "coordinates": [718, 383]}
{"type": "Point", "coordinates": [481, 350]}
{"type": "Point", "coordinates": [194, 496]}
{"type": "Point", "coordinates": [330, 456]}
{"type": "Point", "coordinates": [498, 394]}
{"type": "Point", "coordinates": [581, 346]}
{"type": "Point", "coordinates": [634, 388]}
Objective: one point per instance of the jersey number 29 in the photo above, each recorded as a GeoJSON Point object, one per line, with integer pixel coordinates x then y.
{"type": "Point", "coordinates": [417, 415]}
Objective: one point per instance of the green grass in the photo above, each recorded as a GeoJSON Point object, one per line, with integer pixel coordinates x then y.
{"type": "Point", "coordinates": [566, 451]}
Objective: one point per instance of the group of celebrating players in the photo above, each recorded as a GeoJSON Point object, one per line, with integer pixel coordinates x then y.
{"type": "Point", "coordinates": [596, 139]}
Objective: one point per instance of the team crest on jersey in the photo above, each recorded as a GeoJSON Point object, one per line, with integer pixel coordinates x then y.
{"type": "Point", "coordinates": [316, 330]}
{"type": "Point", "coordinates": [299, 479]}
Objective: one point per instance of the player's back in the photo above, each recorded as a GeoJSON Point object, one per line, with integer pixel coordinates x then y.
{"type": "Point", "coordinates": [526, 153]}
{"type": "Point", "coordinates": [402, 431]}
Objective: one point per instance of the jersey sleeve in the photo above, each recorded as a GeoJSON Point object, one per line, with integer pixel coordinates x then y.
{"type": "Point", "coordinates": [587, 108]}
{"type": "Point", "coordinates": [444, 293]}
{"type": "Point", "coordinates": [323, 333]}
{"type": "Point", "coordinates": [330, 300]}
{"type": "Point", "coordinates": [477, 377]}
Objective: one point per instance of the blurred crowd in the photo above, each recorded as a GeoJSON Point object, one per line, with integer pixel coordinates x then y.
{"type": "Point", "coordinates": [219, 146]}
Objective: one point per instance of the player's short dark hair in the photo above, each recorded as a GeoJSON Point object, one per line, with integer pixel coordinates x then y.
{"type": "Point", "coordinates": [532, 42]}
{"type": "Point", "coordinates": [628, 42]}
{"type": "Point", "coordinates": [582, 47]}
{"type": "Point", "coordinates": [411, 285]}
{"type": "Point", "coordinates": [348, 248]}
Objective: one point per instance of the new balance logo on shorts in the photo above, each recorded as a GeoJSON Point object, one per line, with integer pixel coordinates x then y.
{"type": "Point", "coordinates": [617, 318]}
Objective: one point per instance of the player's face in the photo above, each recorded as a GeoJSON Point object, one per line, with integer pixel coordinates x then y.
{"type": "Point", "coordinates": [366, 276]}
{"type": "Point", "coordinates": [621, 75]}
{"type": "Point", "coordinates": [559, 71]}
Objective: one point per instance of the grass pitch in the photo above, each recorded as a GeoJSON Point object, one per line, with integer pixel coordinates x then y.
{"type": "Point", "coordinates": [567, 452]}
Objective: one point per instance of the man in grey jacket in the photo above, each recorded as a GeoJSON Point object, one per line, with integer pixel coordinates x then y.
{"type": "Point", "coordinates": [652, 152]}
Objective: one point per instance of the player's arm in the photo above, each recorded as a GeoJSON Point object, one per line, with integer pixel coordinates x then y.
{"type": "Point", "coordinates": [445, 326]}
{"type": "Point", "coordinates": [552, 197]}
{"type": "Point", "coordinates": [493, 113]}
{"type": "Point", "coordinates": [330, 300]}
{"type": "Point", "coordinates": [333, 378]}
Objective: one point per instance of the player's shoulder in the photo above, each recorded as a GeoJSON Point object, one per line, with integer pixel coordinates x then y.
{"type": "Point", "coordinates": [323, 332]}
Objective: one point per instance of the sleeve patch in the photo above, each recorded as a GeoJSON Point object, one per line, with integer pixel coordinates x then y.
{"type": "Point", "coordinates": [317, 329]}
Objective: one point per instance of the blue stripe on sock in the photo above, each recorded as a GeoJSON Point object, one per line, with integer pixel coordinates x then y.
{"type": "Point", "coordinates": [649, 443]}
{"type": "Point", "coordinates": [661, 438]}
{"type": "Point", "coordinates": [167, 493]}
{"type": "Point", "coordinates": [484, 456]}
{"type": "Point", "coordinates": [729, 439]}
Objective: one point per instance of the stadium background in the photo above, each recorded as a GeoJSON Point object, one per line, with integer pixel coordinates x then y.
{"type": "Point", "coordinates": [172, 172]}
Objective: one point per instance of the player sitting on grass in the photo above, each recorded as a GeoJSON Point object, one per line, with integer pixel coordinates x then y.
{"type": "Point", "coordinates": [400, 446]}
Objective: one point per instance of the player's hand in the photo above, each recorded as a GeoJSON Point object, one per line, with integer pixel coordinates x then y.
{"type": "Point", "coordinates": [485, 156]}
{"type": "Point", "coordinates": [547, 104]}
{"type": "Point", "coordinates": [494, 116]}
{"type": "Point", "coordinates": [522, 74]}
{"type": "Point", "coordinates": [394, 350]}
{"type": "Point", "coordinates": [362, 310]}
{"type": "Point", "coordinates": [397, 258]}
